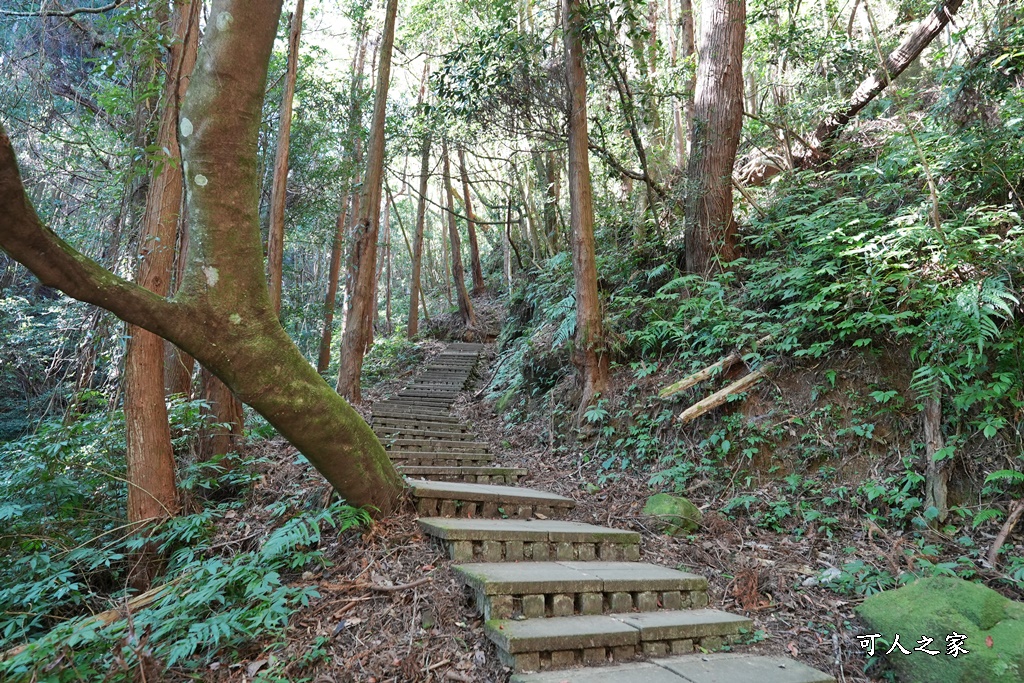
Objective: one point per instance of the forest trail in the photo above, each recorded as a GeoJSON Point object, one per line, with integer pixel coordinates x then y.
{"type": "Point", "coordinates": [558, 596]}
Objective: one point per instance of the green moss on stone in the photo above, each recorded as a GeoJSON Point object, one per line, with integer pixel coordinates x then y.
{"type": "Point", "coordinates": [678, 513]}
{"type": "Point", "coordinates": [936, 608]}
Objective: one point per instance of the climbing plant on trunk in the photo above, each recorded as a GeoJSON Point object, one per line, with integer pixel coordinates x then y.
{"type": "Point", "coordinates": [222, 314]}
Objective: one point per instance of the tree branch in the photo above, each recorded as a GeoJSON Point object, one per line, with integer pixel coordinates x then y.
{"type": "Point", "coordinates": [57, 264]}
{"type": "Point", "coordinates": [43, 12]}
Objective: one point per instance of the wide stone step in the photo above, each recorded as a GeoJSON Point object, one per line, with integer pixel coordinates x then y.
{"type": "Point", "coordinates": [460, 499]}
{"type": "Point", "coordinates": [449, 459]}
{"type": "Point", "coordinates": [560, 589]}
{"type": "Point", "coordinates": [722, 667]}
{"type": "Point", "coordinates": [423, 434]}
{"type": "Point", "coordinates": [514, 540]}
{"type": "Point", "coordinates": [437, 445]}
{"type": "Point", "coordinates": [478, 475]}
{"type": "Point", "coordinates": [563, 642]}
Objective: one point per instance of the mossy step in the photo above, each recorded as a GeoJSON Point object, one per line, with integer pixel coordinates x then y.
{"type": "Point", "coordinates": [438, 445]}
{"type": "Point", "coordinates": [380, 411]}
{"type": "Point", "coordinates": [514, 540]}
{"type": "Point", "coordinates": [461, 499]}
{"type": "Point", "coordinates": [390, 423]}
{"type": "Point", "coordinates": [449, 459]}
{"type": "Point", "coordinates": [722, 667]}
{"type": "Point", "coordinates": [558, 589]}
{"type": "Point", "coordinates": [383, 432]}
{"type": "Point", "coordinates": [478, 475]}
{"type": "Point", "coordinates": [563, 642]}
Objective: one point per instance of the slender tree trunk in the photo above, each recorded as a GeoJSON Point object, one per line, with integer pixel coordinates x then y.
{"type": "Point", "coordinates": [446, 273]}
{"type": "Point", "coordinates": [895, 64]}
{"type": "Point", "coordinates": [222, 313]}
{"type": "Point", "coordinates": [506, 244]}
{"type": "Point", "coordinates": [458, 273]}
{"type": "Point", "coordinates": [341, 225]}
{"type": "Point", "coordinates": [364, 239]}
{"type": "Point", "coordinates": [474, 249]}
{"type": "Point", "coordinates": [222, 433]}
{"type": "Point", "coordinates": [178, 365]}
{"type": "Point", "coordinates": [279, 191]}
{"type": "Point", "coordinates": [415, 288]}
{"type": "Point", "coordinates": [718, 117]}
{"type": "Point", "coordinates": [689, 49]}
{"type": "Point", "coordinates": [152, 492]}
{"type": "Point", "coordinates": [589, 353]}
{"type": "Point", "coordinates": [936, 473]}
{"type": "Point", "coordinates": [333, 273]}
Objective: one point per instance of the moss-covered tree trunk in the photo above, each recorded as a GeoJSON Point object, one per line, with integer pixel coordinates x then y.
{"type": "Point", "coordinates": [222, 313]}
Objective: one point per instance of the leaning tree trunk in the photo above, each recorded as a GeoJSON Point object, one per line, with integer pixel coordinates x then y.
{"type": "Point", "coordinates": [718, 117]}
{"type": "Point", "coordinates": [222, 313]}
{"type": "Point", "coordinates": [279, 189]}
{"type": "Point", "coordinates": [589, 354]}
{"type": "Point", "coordinates": [474, 249]}
{"type": "Point", "coordinates": [895, 64]}
{"type": "Point", "coordinates": [364, 238]}
{"type": "Point", "coordinates": [458, 272]}
{"type": "Point", "coordinates": [152, 491]}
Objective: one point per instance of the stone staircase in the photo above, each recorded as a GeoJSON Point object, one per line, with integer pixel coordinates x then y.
{"type": "Point", "coordinates": [559, 597]}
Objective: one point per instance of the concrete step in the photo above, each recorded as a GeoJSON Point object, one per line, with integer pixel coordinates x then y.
{"type": "Point", "coordinates": [514, 540]}
{"type": "Point", "coordinates": [563, 642]}
{"type": "Point", "coordinates": [460, 499]}
{"type": "Point", "coordinates": [437, 445]}
{"type": "Point", "coordinates": [423, 434]}
{"type": "Point", "coordinates": [507, 476]}
{"type": "Point", "coordinates": [560, 589]}
{"type": "Point", "coordinates": [427, 458]}
{"type": "Point", "coordinates": [722, 667]}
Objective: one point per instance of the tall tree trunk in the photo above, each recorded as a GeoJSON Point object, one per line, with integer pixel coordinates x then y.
{"type": "Point", "coordinates": [341, 225]}
{"type": "Point", "coordinates": [589, 353]}
{"type": "Point", "coordinates": [506, 249]}
{"type": "Point", "coordinates": [152, 492]}
{"type": "Point", "coordinates": [415, 287]}
{"type": "Point", "coordinates": [222, 313]}
{"type": "Point", "coordinates": [364, 238]}
{"type": "Point", "coordinates": [474, 249]}
{"type": "Point", "coordinates": [936, 473]}
{"type": "Point", "coordinates": [445, 270]}
{"type": "Point", "coordinates": [333, 273]}
{"type": "Point", "coordinates": [718, 117]}
{"type": "Point", "coordinates": [895, 64]}
{"type": "Point", "coordinates": [458, 272]}
{"type": "Point", "coordinates": [279, 191]}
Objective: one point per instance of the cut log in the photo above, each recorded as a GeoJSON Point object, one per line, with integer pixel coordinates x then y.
{"type": "Point", "coordinates": [719, 397]}
{"type": "Point", "coordinates": [708, 372]}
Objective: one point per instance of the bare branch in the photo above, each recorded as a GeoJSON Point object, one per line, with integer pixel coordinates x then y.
{"type": "Point", "coordinates": [43, 12]}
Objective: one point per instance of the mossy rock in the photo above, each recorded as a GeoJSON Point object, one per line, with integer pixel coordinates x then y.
{"type": "Point", "coordinates": [678, 513]}
{"type": "Point", "coordinates": [937, 608]}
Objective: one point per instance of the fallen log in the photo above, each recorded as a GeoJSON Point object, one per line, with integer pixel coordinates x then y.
{"type": "Point", "coordinates": [108, 617]}
{"type": "Point", "coordinates": [1007, 528]}
{"type": "Point", "coordinates": [719, 397]}
{"type": "Point", "coordinates": [708, 372]}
